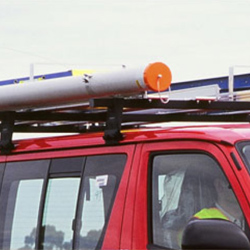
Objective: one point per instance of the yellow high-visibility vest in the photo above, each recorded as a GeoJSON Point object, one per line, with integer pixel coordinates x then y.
{"type": "Point", "coordinates": [210, 213]}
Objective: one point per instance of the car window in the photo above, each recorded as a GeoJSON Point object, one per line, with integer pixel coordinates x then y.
{"type": "Point", "coordinates": [20, 202]}
{"type": "Point", "coordinates": [186, 186]}
{"type": "Point", "coordinates": [102, 176]}
{"type": "Point", "coordinates": [59, 212]}
{"type": "Point", "coordinates": [62, 203]}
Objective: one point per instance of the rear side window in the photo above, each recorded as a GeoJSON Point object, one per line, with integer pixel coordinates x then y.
{"type": "Point", "coordinates": [182, 186]}
{"type": "Point", "coordinates": [59, 212]}
{"type": "Point", "coordinates": [100, 182]}
{"type": "Point", "coordinates": [60, 203]}
{"type": "Point", "coordinates": [20, 201]}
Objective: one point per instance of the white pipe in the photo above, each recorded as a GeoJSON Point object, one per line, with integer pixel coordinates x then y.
{"type": "Point", "coordinates": [77, 89]}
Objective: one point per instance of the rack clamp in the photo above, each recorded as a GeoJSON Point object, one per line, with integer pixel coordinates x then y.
{"type": "Point", "coordinates": [7, 128]}
{"type": "Point", "coordinates": [112, 131]}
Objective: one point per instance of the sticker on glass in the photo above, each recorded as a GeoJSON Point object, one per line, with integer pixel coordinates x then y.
{"type": "Point", "coordinates": [101, 180]}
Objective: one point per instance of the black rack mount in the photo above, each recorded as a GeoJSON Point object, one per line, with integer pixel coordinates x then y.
{"type": "Point", "coordinates": [111, 115]}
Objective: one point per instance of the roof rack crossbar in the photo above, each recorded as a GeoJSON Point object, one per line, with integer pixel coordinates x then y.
{"type": "Point", "coordinates": [176, 104]}
{"type": "Point", "coordinates": [57, 116]}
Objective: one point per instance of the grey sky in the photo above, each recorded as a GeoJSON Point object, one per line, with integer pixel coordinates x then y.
{"type": "Point", "coordinates": [195, 38]}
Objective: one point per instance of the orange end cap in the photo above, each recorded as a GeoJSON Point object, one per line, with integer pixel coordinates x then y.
{"type": "Point", "coordinates": [157, 76]}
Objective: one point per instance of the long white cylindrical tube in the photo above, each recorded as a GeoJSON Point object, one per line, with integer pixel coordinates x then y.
{"type": "Point", "coordinates": [77, 89]}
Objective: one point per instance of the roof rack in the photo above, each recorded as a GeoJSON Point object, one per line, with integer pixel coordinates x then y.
{"type": "Point", "coordinates": [113, 114]}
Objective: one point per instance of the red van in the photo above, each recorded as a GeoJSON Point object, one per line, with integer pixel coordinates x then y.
{"type": "Point", "coordinates": [123, 184]}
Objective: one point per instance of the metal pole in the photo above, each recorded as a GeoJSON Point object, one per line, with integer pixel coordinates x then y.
{"type": "Point", "coordinates": [231, 84]}
{"type": "Point", "coordinates": [31, 72]}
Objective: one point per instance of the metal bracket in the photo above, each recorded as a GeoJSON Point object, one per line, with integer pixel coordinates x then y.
{"type": "Point", "coordinates": [112, 132]}
{"type": "Point", "coordinates": [7, 128]}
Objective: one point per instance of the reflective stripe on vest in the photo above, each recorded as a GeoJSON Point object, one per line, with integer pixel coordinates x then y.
{"type": "Point", "coordinates": [210, 213]}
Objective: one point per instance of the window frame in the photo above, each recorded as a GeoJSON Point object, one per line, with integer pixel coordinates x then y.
{"type": "Point", "coordinates": [2, 169]}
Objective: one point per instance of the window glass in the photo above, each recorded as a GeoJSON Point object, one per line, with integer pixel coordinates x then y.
{"type": "Point", "coordinates": [101, 180]}
{"type": "Point", "coordinates": [185, 186]}
{"type": "Point", "coordinates": [59, 213]}
{"type": "Point", "coordinates": [57, 229]}
{"type": "Point", "coordinates": [93, 210]}
{"type": "Point", "coordinates": [25, 213]}
{"type": "Point", "coordinates": [20, 201]}
{"type": "Point", "coordinates": [59, 203]}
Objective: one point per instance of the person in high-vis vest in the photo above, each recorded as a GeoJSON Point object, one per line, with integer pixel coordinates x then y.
{"type": "Point", "coordinates": [226, 206]}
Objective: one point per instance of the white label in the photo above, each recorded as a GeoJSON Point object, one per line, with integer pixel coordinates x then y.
{"type": "Point", "coordinates": [101, 180]}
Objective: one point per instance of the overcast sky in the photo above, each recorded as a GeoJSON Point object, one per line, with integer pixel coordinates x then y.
{"type": "Point", "coordinates": [195, 38]}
